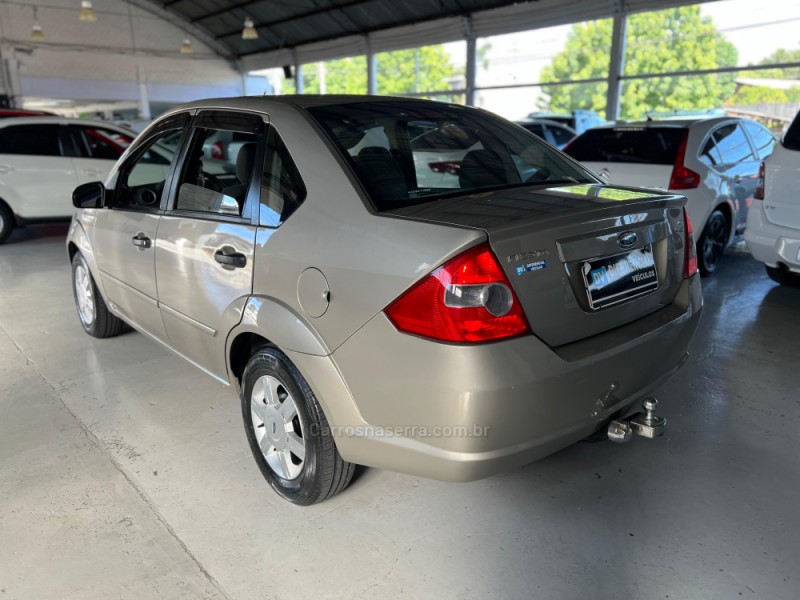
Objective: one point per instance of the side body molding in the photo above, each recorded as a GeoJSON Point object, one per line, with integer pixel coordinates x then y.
{"type": "Point", "coordinates": [280, 324]}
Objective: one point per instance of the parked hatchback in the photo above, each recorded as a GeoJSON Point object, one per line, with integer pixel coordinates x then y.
{"type": "Point", "coordinates": [773, 224]}
{"type": "Point", "coordinates": [42, 159]}
{"type": "Point", "coordinates": [713, 162]}
{"type": "Point", "coordinates": [362, 318]}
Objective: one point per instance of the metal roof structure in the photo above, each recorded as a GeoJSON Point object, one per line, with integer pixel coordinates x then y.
{"type": "Point", "coordinates": [300, 31]}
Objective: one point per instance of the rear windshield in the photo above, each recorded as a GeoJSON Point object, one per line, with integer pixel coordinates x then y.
{"type": "Point", "coordinates": [791, 139]}
{"type": "Point", "coordinates": [651, 145]}
{"type": "Point", "coordinates": [408, 152]}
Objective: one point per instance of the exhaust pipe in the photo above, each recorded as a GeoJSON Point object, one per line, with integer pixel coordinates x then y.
{"type": "Point", "coordinates": [646, 424]}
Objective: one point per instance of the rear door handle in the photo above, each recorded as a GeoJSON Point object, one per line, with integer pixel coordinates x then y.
{"type": "Point", "coordinates": [235, 259]}
{"type": "Point", "coordinates": [140, 240]}
{"type": "Point", "coordinates": [737, 179]}
{"type": "Point", "coordinates": [6, 168]}
{"type": "Point", "coordinates": [92, 172]}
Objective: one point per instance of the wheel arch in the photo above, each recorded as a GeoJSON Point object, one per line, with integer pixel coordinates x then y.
{"type": "Point", "coordinates": [264, 321]}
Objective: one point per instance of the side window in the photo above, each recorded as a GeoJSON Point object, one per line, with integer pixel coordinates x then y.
{"type": "Point", "coordinates": [763, 140]}
{"type": "Point", "coordinates": [282, 188]}
{"type": "Point", "coordinates": [101, 143]}
{"type": "Point", "coordinates": [215, 185]}
{"type": "Point", "coordinates": [710, 153]}
{"type": "Point", "coordinates": [536, 129]}
{"type": "Point", "coordinates": [561, 135]}
{"type": "Point", "coordinates": [732, 144]}
{"type": "Point", "coordinates": [32, 140]}
{"type": "Point", "coordinates": [142, 179]}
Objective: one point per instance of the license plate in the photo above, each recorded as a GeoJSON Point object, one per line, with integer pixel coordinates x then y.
{"type": "Point", "coordinates": [619, 278]}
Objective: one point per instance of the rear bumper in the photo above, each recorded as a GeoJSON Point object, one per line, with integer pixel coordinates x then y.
{"type": "Point", "coordinates": [460, 413]}
{"type": "Point", "coordinates": [772, 244]}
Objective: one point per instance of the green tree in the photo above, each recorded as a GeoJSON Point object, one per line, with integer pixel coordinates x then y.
{"type": "Point", "coordinates": [764, 94]}
{"type": "Point", "coordinates": [678, 39]}
{"type": "Point", "coordinates": [402, 71]}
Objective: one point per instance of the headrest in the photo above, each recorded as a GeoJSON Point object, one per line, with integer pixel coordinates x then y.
{"type": "Point", "coordinates": [481, 168]}
{"type": "Point", "coordinates": [245, 161]}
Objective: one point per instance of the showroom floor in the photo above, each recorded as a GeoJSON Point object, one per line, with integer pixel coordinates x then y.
{"type": "Point", "coordinates": [124, 473]}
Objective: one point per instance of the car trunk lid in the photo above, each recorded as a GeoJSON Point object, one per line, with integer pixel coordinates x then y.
{"type": "Point", "coordinates": [550, 241]}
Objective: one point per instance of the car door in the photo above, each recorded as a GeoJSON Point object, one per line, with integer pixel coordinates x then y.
{"type": "Point", "coordinates": [36, 176]}
{"type": "Point", "coordinates": [96, 149]}
{"type": "Point", "coordinates": [205, 243]}
{"type": "Point", "coordinates": [124, 234]}
{"type": "Point", "coordinates": [739, 168]}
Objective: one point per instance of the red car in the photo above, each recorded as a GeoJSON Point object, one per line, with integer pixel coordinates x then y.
{"type": "Point", "coordinates": [13, 112]}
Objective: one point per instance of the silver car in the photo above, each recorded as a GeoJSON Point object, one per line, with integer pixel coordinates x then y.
{"type": "Point", "coordinates": [364, 318]}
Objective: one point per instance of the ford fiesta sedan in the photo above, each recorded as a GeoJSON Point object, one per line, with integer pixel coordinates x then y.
{"type": "Point", "coordinates": [448, 332]}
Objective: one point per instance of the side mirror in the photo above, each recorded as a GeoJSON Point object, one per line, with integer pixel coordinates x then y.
{"type": "Point", "coordinates": [89, 195]}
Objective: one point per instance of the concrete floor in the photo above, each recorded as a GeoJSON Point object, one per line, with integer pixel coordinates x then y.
{"type": "Point", "coordinates": [125, 473]}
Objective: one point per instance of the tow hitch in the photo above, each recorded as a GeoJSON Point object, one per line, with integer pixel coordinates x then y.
{"type": "Point", "coordinates": [646, 424]}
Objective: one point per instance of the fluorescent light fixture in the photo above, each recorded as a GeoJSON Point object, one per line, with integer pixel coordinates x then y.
{"type": "Point", "coordinates": [186, 46]}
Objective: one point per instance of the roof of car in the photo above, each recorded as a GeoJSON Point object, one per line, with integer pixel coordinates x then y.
{"type": "Point", "coordinates": [544, 122]}
{"type": "Point", "coordinates": [59, 120]}
{"type": "Point", "coordinates": [299, 100]}
{"type": "Point", "coordinates": [677, 123]}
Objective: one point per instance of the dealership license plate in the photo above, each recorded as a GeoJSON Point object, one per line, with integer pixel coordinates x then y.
{"type": "Point", "coordinates": [621, 277]}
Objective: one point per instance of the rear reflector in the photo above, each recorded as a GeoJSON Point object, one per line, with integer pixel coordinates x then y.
{"type": "Point", "coordinates": [467, 300]}
{"type": "Point", "coordinates": [762, 181]}
{"type": "Point", "coordinates": [683, 178]}
{"type": "Point", "coordinates": [690, 256]}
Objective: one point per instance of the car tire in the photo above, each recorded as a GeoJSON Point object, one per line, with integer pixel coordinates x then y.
{"type": "Point", "coordinates": [7, 222]}
{"type": "Point", "coordinates": [93, 313]}
{"type": "Point", "coordinates": [288, 432]}
{"type": "Point", "coordinates": [783, 276]}
{"type": "Point", "coordinates": [712, 243]}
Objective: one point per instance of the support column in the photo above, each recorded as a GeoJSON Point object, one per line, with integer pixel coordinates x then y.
{"type": "Point", "coordinates": [616, 66]}
{"type": "Point", "coordinates": [472, 61]}
{"type": "Point", "coordinates": [372, 70]}
{"type": "Point", "coordinates": [298, 79]}
{"type": "Point", "coordinates": [144, 99]}
{"type": "Point", "coordinates": [9, 77]}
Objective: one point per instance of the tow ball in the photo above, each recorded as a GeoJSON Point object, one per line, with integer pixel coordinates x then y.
{"type": "Point", "coordinates": [646, 424]}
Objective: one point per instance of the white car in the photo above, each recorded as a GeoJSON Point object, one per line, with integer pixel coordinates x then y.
{"type": "Point", "coordinates": [773, 225]}
{"type": "Point", "coordinates": [714, 162]}
{"type": "Point", "coordinates": [42, 159]}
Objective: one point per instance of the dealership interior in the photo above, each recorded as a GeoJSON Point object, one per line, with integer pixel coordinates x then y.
{"type": "Point", "coordinates": [124, 470]}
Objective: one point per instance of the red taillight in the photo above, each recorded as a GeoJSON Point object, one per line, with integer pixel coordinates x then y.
{"type": "Point", "coordinates": [449, 167]}
{"type": "Point", "coordinates": [690, 256]}
{"type": "Point", "coordinates": [762, 181]}
{"type": "Point", "coordinates": [468, 299]}
{"type": "Point", "coordinates": [683, 178]}
{"type": "Point", "coordinates": [217, 151]}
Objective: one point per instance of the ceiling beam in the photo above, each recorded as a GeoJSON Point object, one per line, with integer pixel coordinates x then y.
{"type": "Point", "coordinates": [296, 17]}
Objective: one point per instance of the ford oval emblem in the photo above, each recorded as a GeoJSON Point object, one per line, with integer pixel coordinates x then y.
{"type": "Point", "coordinates": [627, 240]}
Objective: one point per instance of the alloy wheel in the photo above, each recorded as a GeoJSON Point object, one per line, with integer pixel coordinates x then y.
{"type": "Point", "coordinates": [84, 295]}
{"type": "Point", "coordinates": [714, 242]}
{"type": "Point", "coordinates": [277, 427]}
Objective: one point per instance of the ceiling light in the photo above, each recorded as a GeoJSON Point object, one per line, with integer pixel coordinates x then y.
{"type": "Point", "coordinates": [37, 33]}
{"type": "Point", "coordinates": [186, 46]}
{"type": "Point", "coordinates": [87, 12]}
{"type": "Point", "coordinates": [249, 31]}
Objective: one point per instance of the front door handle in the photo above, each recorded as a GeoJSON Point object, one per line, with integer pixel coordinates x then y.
{"type": "Point", "coordinates": [6, 169]}
{"type": "Point", "coordinates": [234, 259]}
{"type": "Point", "coordinates": [141, 241]}
{"type": "Point", "coordinates": [93, 172]}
